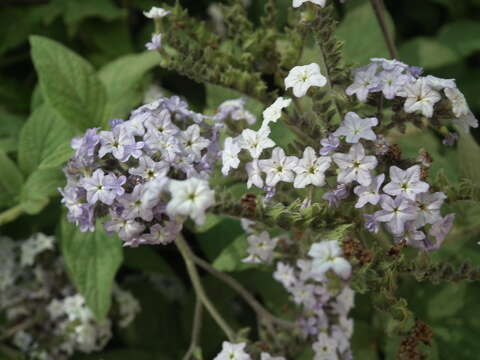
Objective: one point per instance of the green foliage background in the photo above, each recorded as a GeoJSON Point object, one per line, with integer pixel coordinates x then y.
{"type": "Point", "coordinates": [102, 71]}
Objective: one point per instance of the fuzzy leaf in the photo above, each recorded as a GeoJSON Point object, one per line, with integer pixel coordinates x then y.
{"type": "Point", "coordinates": [39, 188]}
{"type": "Point", "coordinates": [428, 53]}
{"type": "Point", "coordinates": [122, 80]}
{"type": "Point", "coordinates": [92, 260]}
{"type": "Point", "coordinates": [69, 83]}
{"type": "Point", "coordinates": [40, 137]}
{"type": "Point", "coordinates": [230, 259]}
{"type": "Point", "coordinates": [11, 179]}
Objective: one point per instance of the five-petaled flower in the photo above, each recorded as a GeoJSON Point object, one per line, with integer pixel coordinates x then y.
{"type": "Point", "coordinates": [301, 78]}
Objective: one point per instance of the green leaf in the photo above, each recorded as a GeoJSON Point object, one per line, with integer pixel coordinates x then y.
{"type": "Point", "coordinates": [40, 137]}
{"type": "Point", "coordinates": [230, 259]}
{"type": "Point", "coordinates": [69, 83]}
{"type": "Point", "coordinates": [11, 179]}
{"type": "Point", "coordinates": [10, 126]}
{"type": "Point", "coordinates": [362, 34]}
{"type": "Point", "coordinates": [428, 53]}
{"type": "Point", "coordinates": [58, 156]}
{"type": "Point", "coordinates": [219, 237]}
{"type": "Point", "coordinates": [461, 36]}
{"type": "Point", "coordinates": [468, 156]}
{"type": "Point", "coordinates": [122, 80]}
{"type": "Point", "coordinates": [92, 260]}
{"type": "Point", "coordinates": [441, 305]}
{"type": "Point", "coordinates": [39, 188]}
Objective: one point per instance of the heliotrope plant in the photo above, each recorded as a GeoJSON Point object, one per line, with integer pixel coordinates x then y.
{"type": "Point", "coordinates": [331, 212]}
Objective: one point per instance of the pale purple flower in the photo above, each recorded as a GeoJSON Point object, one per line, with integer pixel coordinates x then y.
{"type": "Point", "coordinates": [329, 144]}
{"type": "Point", "coordinates": [155, 43]}
{"type": "Point", "coordinates": [369, 194]}
{"type": "Point", "coordinates": [260, 249]}
{"type": "Point", "coordinates": [125, 228]}
{"type": "Point", "coordinates": [392, 81]}
{"type": "Point", "coordinates": [396, 212]}
{"type": "Point", "coordinates": [149, 169]}
{"type": "Point", "coordinates": [101, 187]}
{"type": "Point", "coordinates": [411, 235]}
{"type": "Point", "coordinates": [440, 230]}
{"type": "Point", "coordinates": [85, 147]}
{"type": "Point", "coordinates": [118, 142]}
{"type": "Point", "coordinates": [355, 166]}
{"type": "Point", "coordinates": [371, 223]}
{"type": "Point", "coordinates": [234, 109]}
{"type": "Point", "coordinates": [355, 128]}
{"type": "Point", "coordinates": [162, 234]}
{"type": "Point", "coordinates": [161, 122]}
{"type": "Point", "coordinates": [303, 294]}
{"type": "Point", "coordinates": [428, 207]}
{"type": "Point", "coordinates": [381, 145]}
{"type": "Point", "coordinates": [365, 81]}
{"type": "Point", "coordinates": [406, 183]}
{"type": "Point", "coordinates": [141, 201]}
{"type": "Point", "coordinates": [86, 221]}
{"type": "Point", "coordinates": [311, 169]}
{"type": "Point", "coordinates": [327, 255]}
{"type": "Point", "coordinates": [192, 141]}
{"type": "Point", "coordinates": [335, 196]}
{"type": "Point", "coordinates": [389, 64]}
{"type": "Point", "coordinates": [169, 146]}
{"type": "Point", "coordinates": [279, 167]}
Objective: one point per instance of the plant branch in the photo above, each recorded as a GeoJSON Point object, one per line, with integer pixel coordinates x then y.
{"type": "Point", "coordinates": [247, 296]}
{"type": "Point", "coordinates": [188, 257]}
{"type": "Point", "coordinates": [379, 10]}
{"type": "Point", "coordinates": [10, 214]}
{"type": "Point", "coordinates": [197, 325]}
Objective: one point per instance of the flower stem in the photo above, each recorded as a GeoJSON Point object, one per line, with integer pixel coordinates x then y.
{"type": "Point", "coordinates": [197, 325]}
{"type": "Point", "coordinates": [249, 299]}
{"type": "Point", "coordinates": [188, 257]}
{"type": "Point", "coordinates": [10, 214]}
{"type": "Point", "coordinates": [379, 10]}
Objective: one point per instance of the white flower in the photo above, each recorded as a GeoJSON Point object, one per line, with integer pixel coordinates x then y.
{"type": "Point", "coordinates": [304, 294]}
{"type": "Point", "coordinates": [365, 81]}
{"type": "Point", "coordinates": [405, 182]}
{"type": "Point", "coordinates": [256, 141]}
{"type": "Point", "coordinates": [460, 109]}
{"type": "Point", "coordinates": [420, 97]}
{"type": "Point", "coordinates": [156, 13]}
{"type": "Point", "coordinates": [439, 84]}
{"type": "Point", "coordinates": [254, 174]}
{"type": "Point", "coordinates": [192, 141]}
{"type": "Point", "coordinates": [300, 78]}
{"type": "Point", "coordinates": [396, 212]}
{"type": "Point", "coordinates": [190, 197]}
{"type": "Point", "coordinates": [327, 255]}
{"type": "Point", "coordinates": [260, 248]}
{"type": "Point", "coordinates": [149, 169]}
{"type": "Point", "coordinates": [231, 351]}
{"type": "Point", "coordinates": [35, 245]}
{"type": "Point", "coordinates": [279, 167]}
{"type": "Point", "coordinates": [325, 348]}
{"type": "Point", "coordinates": [274, 111]}
{"type": "Point", "coordinates": [356, 128]}
{"type": "Point", "coordinates": [267, 356]}
{"type": "Point", "coordinates": [355, 166]}
{"type": "Point", "coordinates": [230, 158]}
{"type": "Point", "coordinates": [428, 207]}
{"type": "Point", "coordinates": [369, 194]}
{"type": "Point", "coordinates": [285, 274]}
{"type": "Point", "coordinates": [311, 169]}
{"type": "Point", "coordinates": [298, 3]}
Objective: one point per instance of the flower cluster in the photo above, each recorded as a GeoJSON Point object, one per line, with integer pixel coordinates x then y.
{"type": "Point", "coordinates": [325, 309]}
{"type": "Point", "coordinates": [421, 94]}
{"type": "Point", "coordinates": [37, 299]}
{"type": "Point", "coordinates": [146, 174]}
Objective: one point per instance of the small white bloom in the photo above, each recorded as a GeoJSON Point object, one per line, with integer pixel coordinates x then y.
{"type": "Point", "coordinates": [325, 348]}
{"type": "Point", "coordinates": [298, 3]}
{"type": "Point", "coordinates": [355, 166]}
{"type": "Point", "coordinates": [231, 351]}
{"type": "Point", "coordinates": [460, 109]}
{"type": "Point", "coordinates": [274, 111]}
{"type": "Point", "coordinates": [279, 167]}
{"type": "Point", "coordinates": [365, 81]}
{"type": "Point", "coordinates": [192, 141]}
{"type": "Point", "coordinates": [311, 169]}
{"type": "Point", "coordinates": [190, 197]}
{"type": "Point", "coordinates": [420, 97]}
{"type": "Point", "coordinates": [369, 194]}
{"type": "Point", "coordinates": [406, 183]}
{"type": "Point", "coordinates": [156, 13]}
{"type": "Point", "coordinates": [149, 169]}
{"type": "Point", "coordinates": [256, 141]}
{"type": "Point", "coordinates": [260, 248]}
{"type": "Point", "coordinates": [428, 207]}
{"type": "Point", "coordinates": [355, 128]}
{"type": "Point", "coordinates": [300, 78]}
{"type": "Point", "coordinates": [254, 174]}
{"type": "Point", "coordinates": [230, 158]}
{"type": "Point", "coordinates": [439, 84]}
{"type": "Point", "coordinates": [327, 255]}
{"type": "Point", "coordinates": [284, 274]}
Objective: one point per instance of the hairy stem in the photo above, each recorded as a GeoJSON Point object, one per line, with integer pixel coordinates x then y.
{"type": "Point", "coordinates": [197, 325]}
{"type": "Point", "coordinates": [379, 10]}
{"type": "Point", "coordinates": [246, 295]}
{"type": "Point", "coordinates": [10, 214]}
{"type": "Point", "coordinates": [188, 257]}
